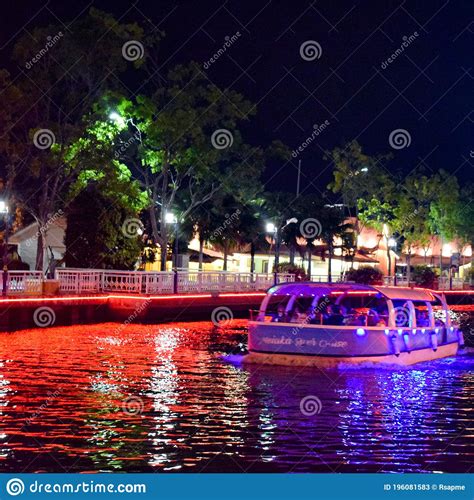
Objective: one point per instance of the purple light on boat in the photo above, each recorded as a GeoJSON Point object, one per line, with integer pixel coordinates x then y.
{"type": "Point", "coordinates": [360, 332]}
{"type": "Point", "coordinates": [414, 330]}
{"type": "Point", "coordinates": [436, 330]}
{"type": "Point", "coordinates": [400, 331]}
{"type": "Point", "coordinates": [423, 330]}
{"type": "Point", "coordinates": [387, 331]}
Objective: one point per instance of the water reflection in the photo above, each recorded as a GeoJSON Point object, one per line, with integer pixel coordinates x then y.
{"type": "Point", "coordinates": [150, 397]}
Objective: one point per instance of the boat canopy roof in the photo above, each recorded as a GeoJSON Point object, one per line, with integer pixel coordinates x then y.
{"type": "Point", "coordinates": [389, 292]}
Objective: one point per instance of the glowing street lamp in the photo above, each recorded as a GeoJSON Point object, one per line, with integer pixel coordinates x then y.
{"type": "Point", "coordinates": [115, 117]}
{"type": "Point", "coordinates": [4, 213]}
{"type": "Point", "coordinates": [392, 242]}
{"type": "Point", "coordinates": [270, 227]}
{"type": "Point", "coordinates": [273, 229]}
{"type": "Point", "coordinates": [170, 218]}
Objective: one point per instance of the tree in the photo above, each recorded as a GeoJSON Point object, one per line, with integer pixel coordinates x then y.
{"type": "Point", "coordinates": [379, 215]}
{"type": "Point", "coordinates": [411, 215]}
{"type": "Point", "coordinates": [187, 144]}
{"type": "Point", "coordinates": [101, 232]}
{"type": "Point", "coordinates": [333, 225]}
{"type": "Point", "coordinates": [358, 176]}
{"type": "Point", "coordinates": [42, 147]}
{"type": "Point", "coordinates": [444, 216]}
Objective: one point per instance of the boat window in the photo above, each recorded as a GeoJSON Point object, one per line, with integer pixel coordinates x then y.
{"type": "Point", "coordinates": [364, 310]}
{"type": "Point", "coordinates": [439, 313]}
{"type": "Point", "coordinates": [422, 314]}
{"type": "Point", "coordinates": [276, 308]}
{"type": "Point", "coordinates": [302, 309]}
{"type": "Point", "coordinates": [402, 313]}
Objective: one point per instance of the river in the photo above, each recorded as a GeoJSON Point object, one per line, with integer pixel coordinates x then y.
{"type": "Point", "coordinates": [175, 397]}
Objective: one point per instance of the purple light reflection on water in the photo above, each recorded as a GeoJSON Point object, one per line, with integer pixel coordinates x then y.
{"type": "Point", "coordinates": [160, 397]}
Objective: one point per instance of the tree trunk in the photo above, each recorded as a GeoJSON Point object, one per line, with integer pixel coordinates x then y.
{"type": "Point", "coordinates": [292, 254]}
{"type": "Point", "coordinates": [39, 251]}
{"type": "Point", "coordinates": [408, 267]}
{"type": "Point", "coordinates": [309, 262]}
{"type": "Point", "coordinates": [330, 263]}
{"type": "Point", "coordinates": [201, 251]}
{"type": "Point", "coordinates": [389, 258]}
{"type": "Point", "coordinates": [225, 258]}
{"type": "Point", "coordinates": [252, 257]}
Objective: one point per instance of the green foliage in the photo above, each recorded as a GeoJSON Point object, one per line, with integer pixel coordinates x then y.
{"type": "Point", "coordinates": [95, 235]}
{"type": "Point", "coordinates": [365, 275]}
{"type": "Point", "coordinates": [358, 175]}
{"type": "Point", "coordinates": [424, 276]}
{"type": "Point", "coordinates": [298, 271]}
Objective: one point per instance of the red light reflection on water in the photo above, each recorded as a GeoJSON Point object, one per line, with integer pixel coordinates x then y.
{"type": "Point", "coordinates": [147, 397]}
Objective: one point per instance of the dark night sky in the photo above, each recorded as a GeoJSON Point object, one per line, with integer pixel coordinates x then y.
{"type": "Point", "coordinates": [427, 90]}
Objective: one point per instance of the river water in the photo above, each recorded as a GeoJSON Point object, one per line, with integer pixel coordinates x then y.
{"type": "Point", "coordinates": [162, 398]}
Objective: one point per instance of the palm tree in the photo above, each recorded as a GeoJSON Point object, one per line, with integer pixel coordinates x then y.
{"type": "Point", "coordinates": [333, 225]}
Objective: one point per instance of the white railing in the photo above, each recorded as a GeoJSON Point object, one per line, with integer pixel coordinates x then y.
{"type": "Point", "coordinates": [23, 282]}
{"type": "Point", "coordinates": [442, 283]}
{"type": "Point", "coordinates": [81, 281]}
{"type": "Point", "coordinates": [96, 281]}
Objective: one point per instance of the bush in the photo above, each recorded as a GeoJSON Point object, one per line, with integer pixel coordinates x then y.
{"type": "Point", "coordinates": [365, 275]}
{"type": "Point", "coordinates": [424, 276]}
{"type": "Point", "coordinates": [298, 271]}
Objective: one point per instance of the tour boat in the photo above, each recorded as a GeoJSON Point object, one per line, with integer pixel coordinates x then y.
{"type": "Point", "coordinates": [324, 324]}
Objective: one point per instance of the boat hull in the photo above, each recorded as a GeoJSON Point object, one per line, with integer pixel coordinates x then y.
{"type": "Point", "coordinates": [403, 359]}
{"type": "Point", "coordinates": [329, 346]}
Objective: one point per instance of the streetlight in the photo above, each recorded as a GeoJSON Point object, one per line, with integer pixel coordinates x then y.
{"type": "Point", "coordinates": [115, 117]}
{"type": "Point", "coordinates": [170, 218]}
{"type": "Point", "coordinates": [4, 213]}
{"type": "Point", "coordinates": [272, 228]}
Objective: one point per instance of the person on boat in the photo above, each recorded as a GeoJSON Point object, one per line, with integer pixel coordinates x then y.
{"type": "Point", "coordinates": [298, 315]}
{"type": "Point", "coordinates": [333, 315]}
{"type": "Point", "coordinates": [281, 316]}
{"type": "Point", "coordinates": [422, 318]}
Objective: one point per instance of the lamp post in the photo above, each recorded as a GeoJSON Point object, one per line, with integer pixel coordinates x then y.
{"type": "Point", "coordinates": [170, 218]}
{"type": "Point", "coordinates": [272, 228]}
{"type": "Point", "coordinates": [4, 213]}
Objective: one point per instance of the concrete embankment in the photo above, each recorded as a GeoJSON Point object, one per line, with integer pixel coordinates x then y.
{"type": "Point", "coordinates": [24, 313]}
